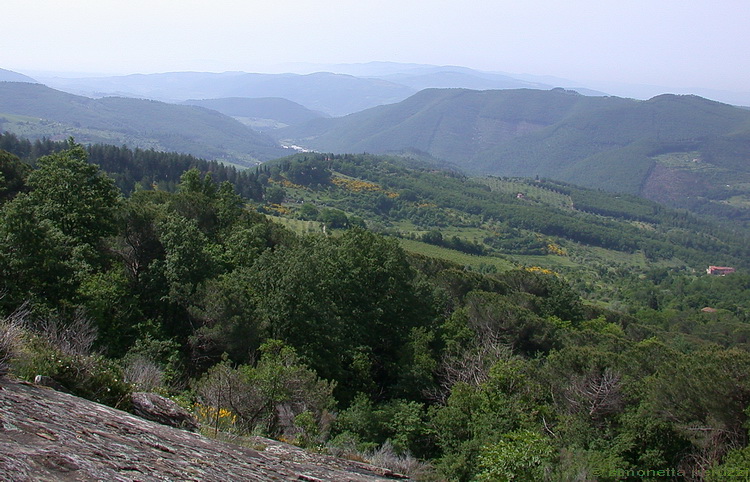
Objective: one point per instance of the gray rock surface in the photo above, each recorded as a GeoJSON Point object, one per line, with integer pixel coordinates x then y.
{"type": "Point", "coordinates": [54, 436]}
{"type": "Point", "coordinates": [162, 410]}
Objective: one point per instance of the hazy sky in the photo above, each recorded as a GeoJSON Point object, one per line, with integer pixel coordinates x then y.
{"type": "Point", "coordinates": [684, 43]}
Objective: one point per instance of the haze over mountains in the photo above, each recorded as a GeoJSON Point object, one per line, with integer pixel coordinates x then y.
{"type": "Point", "coordinates": [333, 94]}
{"type": "Point", "coordinates": [683, 150]}
{"type": "Point", "coordinates": [137, 122]}
{"type": "Point", "coordinates": [346, 88]}
{"type": "Point", "coordinates": [10, 76]}
{"type": "Point", "coordinates": [262, 113]}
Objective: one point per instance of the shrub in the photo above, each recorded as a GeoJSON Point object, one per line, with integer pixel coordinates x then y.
{"type": "Point", "coordinates": [399, 423]}
{"type": "Point", "coordinates": [88, 376]}
{"type": "Point", "coordinates": [521, 455]}
{"type": "Point", "coordinates": [75, 337]}
{"type": "Point", "coordinates": [143, 373]}
{"type": "Point", "coordinates": [268, 398]}
{"type": "Point", "coordinates": [402, 463]}
{"type": "Point", "coordinates": [11, 333]}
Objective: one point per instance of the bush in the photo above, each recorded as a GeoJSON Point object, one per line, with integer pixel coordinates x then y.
{"type": "Point", "coordinates": [75, 337]}
{"type": "Point", "coordinates": [521, 455]}
{"type": "Point", "coordinates": [279, 396]}
{"type": "Point", "coordinates": [399, 423]}
{"type": "Point", "coordinates": [88, 376]}
{"type": "Point", "coordinates": [11, 333]}
{"type": "Point", "coordinates": [143, 373]}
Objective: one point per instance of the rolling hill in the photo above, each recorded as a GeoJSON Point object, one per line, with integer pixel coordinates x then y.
{"type": "Point", "coordinates": [10, 76]}
{"type": "Point", "coordinates": [495, 221]}
{"type": "Point", "coordinates": [261, 114]}
{"type": "Point", "coordinates": [34, 110]}
{"type": "Point", "coordinates": [343, 90]}
{"type": "Point", "coordinates": [669, 148]}
{"type": "Point", "coordinates": [333, 94]}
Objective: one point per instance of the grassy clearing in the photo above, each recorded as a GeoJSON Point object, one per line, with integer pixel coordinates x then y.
{"type": "Point", "coordinates": [742, 201]}
{"type": "Point", "coordinates": [298, 226]}
{"type": "Point", "coordinates": [691, 162]}
{"type": "Point", "coordinates": [463, 259]}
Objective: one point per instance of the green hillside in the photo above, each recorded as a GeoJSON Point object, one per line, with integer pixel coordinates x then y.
{"type": "Point", "coordinates": [489, 222]}
{"type": "Point", "coordinates": [452, 124]}
{"type": "Point", "coordinates": [135, 122]}
{"type": "Point", "coordinates": [611, 143]}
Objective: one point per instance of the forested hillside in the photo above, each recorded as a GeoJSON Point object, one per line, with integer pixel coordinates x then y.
{"type": "Point", "coordinates": [679, 150]}
{"type": "Point", "coordinates": [497, 216]}
{"type": "Point", "coordinates": [343, 341]}
{"type": "Point", "coordinates": [134, 169]}
{"type": "Point", "coordinates": [34, 110]}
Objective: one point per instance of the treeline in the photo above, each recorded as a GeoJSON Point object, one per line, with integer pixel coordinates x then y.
{"type": "Point", "coordinates": [140, 168]}
{"type": "Point", "coordinates": [454, 242]}
{"type": "Point", "coordinates": [347, 344]}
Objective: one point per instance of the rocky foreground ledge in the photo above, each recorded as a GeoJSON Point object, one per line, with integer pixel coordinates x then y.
{"type": "Point", "coordinates": [49, 435]}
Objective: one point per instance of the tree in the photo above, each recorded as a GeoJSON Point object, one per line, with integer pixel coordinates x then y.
{"type": "Point", "coordinates": [275, 194]}
{"type": "Point", "coordinates": [333, 218]}
{"type": "Point", "coordinates": [74, 196]}
{"type": "Point", "coordinates": [346, 304]}
{"type": "Point", "coordinates": [308, 173]}
{"type": "Point", "coordinates": [189, 258]}
{"type": "Point", "coordinates": [223, 307]}
{"type": "Point", "coordinates": [196, 200]}
{"type": "Point", "coordinates": [13, 175]}
{"type": "Point", "coordinates": [308, 212]}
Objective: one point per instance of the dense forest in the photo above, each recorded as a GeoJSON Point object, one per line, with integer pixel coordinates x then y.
{"type": "Point", "coordinates": [139, 168]}
{"type": "Point", "coordinates": [342, 341]}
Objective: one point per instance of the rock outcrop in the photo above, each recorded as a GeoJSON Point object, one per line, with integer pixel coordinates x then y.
{"type": "Point", "coordinates": [162, 410]}
{"type": "Point", "coordinates": [50, 435]}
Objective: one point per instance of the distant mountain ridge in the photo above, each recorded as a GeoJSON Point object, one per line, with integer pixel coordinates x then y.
{"type": "Point", "coordinates": [135, 122]}
{"type": "Point", "coordinates": [333, 94]}
{"type": "Point", "coordinates": [603, 142]}
{"type": "Point", "coordinates": [351, 88]}
{"type": "Point", "coordinates": [10, 76]}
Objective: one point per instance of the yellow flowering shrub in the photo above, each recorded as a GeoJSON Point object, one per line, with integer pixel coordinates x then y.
{"type": "Point", "coordinates": [356, 185]}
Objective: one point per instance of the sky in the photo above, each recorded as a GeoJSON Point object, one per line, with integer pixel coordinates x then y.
{"type": "Point", "coordinates": [682, 43]}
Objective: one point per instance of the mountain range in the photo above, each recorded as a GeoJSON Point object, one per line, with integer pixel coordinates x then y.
{"type": "Point", "coordinates": [680, 149]}
{"type": "Point", "coordinates": [668, 148]}
{"type": "Point", "coordinates": [333, 94]}
{"type": "Point", "coordinates": [36, 110]}
{"type": "Point", "coordinates": [349, 89]}
{"type": "Point", "coordinates": [342, 89]}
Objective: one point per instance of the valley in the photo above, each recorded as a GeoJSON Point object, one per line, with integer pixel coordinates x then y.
{"type": "Point", "coordinates": [684, 151]}
{"type": "Point", "coordinates": [453, 284]}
